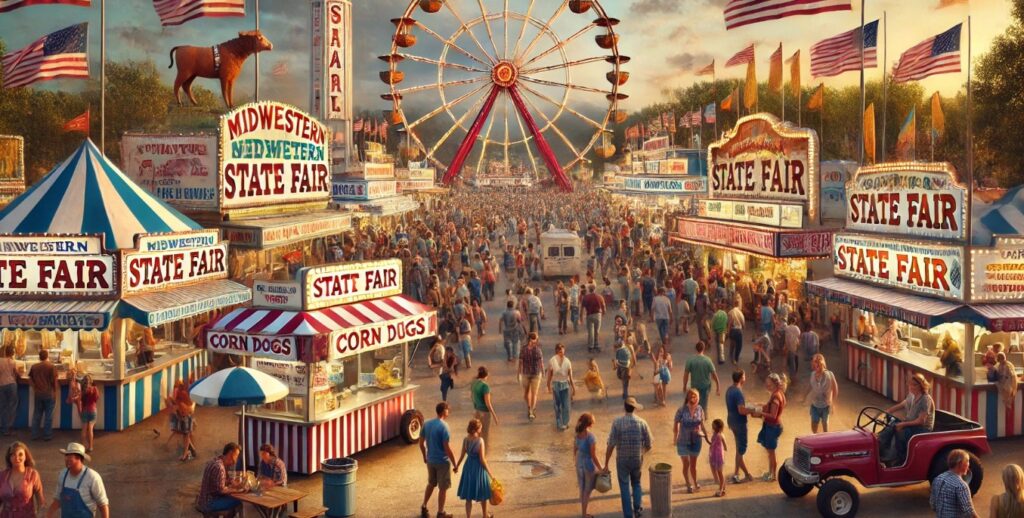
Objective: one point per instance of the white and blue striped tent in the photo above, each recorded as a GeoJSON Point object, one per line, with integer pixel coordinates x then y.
{"type": "Point", "coordinates": [87, 194]}
{"type": "Point", "coordinates": [1004, 216]}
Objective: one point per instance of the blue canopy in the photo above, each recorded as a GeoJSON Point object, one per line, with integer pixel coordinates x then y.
{"type": "Point", "coordinates": [87, 194]}
{"type": "Point", "coordinates": [1004, 216]}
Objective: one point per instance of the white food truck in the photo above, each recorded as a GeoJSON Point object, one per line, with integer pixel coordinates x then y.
{"type": "Point", "coordinates": [561, 253]}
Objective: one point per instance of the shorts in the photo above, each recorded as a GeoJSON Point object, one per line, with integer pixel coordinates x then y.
{"type": "Point", "coordinates": [739, 434]}
{"type": "Point", "coordinates": [819, 414]}
{"type": "Point", "coordinates": [439, 475]}
{"type": "Point", "coordinates": [689, 450]}
{"type": "Point", "coordinates": [88, 417]}
{"type": "Point", "coordinates": [531, 383]}
{"type": "Point", "coordinates": [664, 375]}
{"type": "Point", "coordinates": [769, 436]}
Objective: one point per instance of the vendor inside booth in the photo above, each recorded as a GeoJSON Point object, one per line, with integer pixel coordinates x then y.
{"type": "Point", "coordinates": [339, 337]}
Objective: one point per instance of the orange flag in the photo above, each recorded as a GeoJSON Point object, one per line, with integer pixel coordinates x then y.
{"type": "Point", "coordinates": [869, 133]}
{"type": "Point", "coordinates": [817, 100]}
{"type": "Point", "coordinates": [729, 103]}
{"type": "Point", "coordinates": [775, 70]}
{"type": "Point", "coordinates": [80, 123]}
{"type": "Point", "coordinates": [794, 74]}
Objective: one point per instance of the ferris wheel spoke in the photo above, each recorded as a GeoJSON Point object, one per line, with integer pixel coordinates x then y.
{"type": "Point", "coordinates": [566, 64]}
{"type": "Point", "coordinates": [526, 142]}
{"type": "Point", "coordinates": [522, 30]}
{"type": "Point", "coordinates": [458, 124]}
{"type": "Point", "coordinates": [507, 136]}
{"type": "Point", "coordinates": [504, 49]}
{"type": "Point", "coordinates": [536, 37]}
{"type": "Point", "coordinates": [570, 86]}
{"type": "Point", "coordinates": [483, 148]}
{"type": "Point", "coordinates": [560, 106]}
{"type": "Point", "coordinates": [446, 64]}
{"type": "Point", "coordinates": [561, 44]}
{"type": "Point", "coordinates": [439, 86]}
{"type": "Point", "coordinates": [451, 43]}
{"type": "Point", "coordinates": [455, 168]}
{"type": "Point", "coordinates": [542, 144]}
{"type": "Point", "coordinates": [454, 102]}
{"type": "Point", "coordinates": [465, 28]}
{"type": "Point", "coordinates": [551, 124]}
{"type": "Point", "coordinates": [487, 25]}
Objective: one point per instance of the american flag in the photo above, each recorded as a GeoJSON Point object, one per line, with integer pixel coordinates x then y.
{"type": "Point", "coordinates": [708, 70]}
{"type": "Point", "coordinates": [59, 54]}
{"type": "Point", "coordinates": [177, 12]}
{"type": "Point", "coordinates": [745, 12]}
{"type": "Point", "coordinates": [10, 5]}
{"type": "Point", "coordinates": [695, 118]}
{"type": "Point", "coordinates": [357, 126]}
{"type": "Point", "coordinates": [838, 54]}
{"type": "Point", "coordinates": [280, 69]}
{"type": "Point", "coordinates": [936, 55]}
{"type": "Point", "coordinates": [742, 57]}
{"type": "Point", "coordinates": [709, 113]}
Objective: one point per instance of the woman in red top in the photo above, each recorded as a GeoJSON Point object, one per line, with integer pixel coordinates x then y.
{"type": "Point", "coordinates": [21, 490]}
{"type": "Point", "coordinates": [90, 395]}
{"type": "Point", "coordinates": [771, 412]}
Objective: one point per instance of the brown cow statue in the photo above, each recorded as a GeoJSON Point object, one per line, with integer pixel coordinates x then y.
{"type": "Point", "coordinates": [222, 61]}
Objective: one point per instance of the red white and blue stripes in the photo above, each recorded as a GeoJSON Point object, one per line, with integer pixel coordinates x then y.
{"type": "Point", "coordinates": [326, 320]}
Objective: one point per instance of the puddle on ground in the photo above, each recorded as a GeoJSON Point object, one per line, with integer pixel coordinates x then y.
{"type": "Point", "coordinates": [518, 454]}
{"type": "Point", "coordinates": [532, 469]}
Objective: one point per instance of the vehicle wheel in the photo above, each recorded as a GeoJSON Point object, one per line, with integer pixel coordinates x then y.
{"type": "Point", "coordinates": [412, 426]}
{"type": "Point", "coordinates": [792, 488]}
{"type": "Point", "coordinates": [838, 498]}
{"type": "Point", "coordinates": [975, 475]}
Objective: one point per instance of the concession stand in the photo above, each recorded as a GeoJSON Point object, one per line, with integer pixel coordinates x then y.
{"type": "Point", "coordinates": [918, 297]}
{"type": "Point", "coordinates": [111, 281]}
{"type": "Point", "coordinates": [12, 168]}
{"type": "Point", "coordinates": [339, 337]}
{"type": "Point", "coordinates": [760, 220]}
{"type": "Point", "coordinates": [373, 191]}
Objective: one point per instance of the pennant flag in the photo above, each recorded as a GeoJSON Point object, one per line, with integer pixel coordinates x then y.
{"type": "Point", "coordinates": [869, 132]}
{"type": "Point", "coordinates": [59, 54]}
{"type": "Point", "coordinates": [775, 70]}
{"type": "Point", "coordinates": [357, 126]}
{"type": "Point", "coordinates": [709, 113]}
{"type": "Point", "coordinates": [280, 69]}
{"type": "Point", "coordinates": [750, 90]}
{"type": "Point", "coordinates": [80, 123]}
{"type": "Point", "coordinates": [384, 130]}
{"type": "Point", "coordinates": [838, 54]}
{"type": "Point", "coordinates": [742, 57]}
{"type": "Point", "coordinates": [939, 54]}
{"type": "Point", "coordinates": [817, 100]}
{"type": "Point", "coordinates": [10, 5]}
{"type": "Point", "coordinates": [794, 74]}
{"type": "Point", "coordinates": [947, 3]}
{"type": "Point", "coordinates": [708, 70]}
{"type": "Point", "coordinates": [938, 118]}
{"type": "Point", "coordinates": [906, 142]}
{"type": "Point", "coordinates": [728, 104]}
{"type": "Point", "coordinates": [177, 12]}
{"type": "Point", "coordinates": [672, 122]}
{"type": "Point", "coordinates": [745, 12]}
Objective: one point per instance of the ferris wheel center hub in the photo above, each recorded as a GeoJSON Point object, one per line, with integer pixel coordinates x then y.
{"type": "Point", "coordinates": [504, 74]}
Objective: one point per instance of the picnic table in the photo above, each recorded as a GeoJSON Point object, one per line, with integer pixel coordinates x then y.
{"type": "Point", "coordinates": [268, 500]}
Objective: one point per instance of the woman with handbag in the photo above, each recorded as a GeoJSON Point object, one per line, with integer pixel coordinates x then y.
{"type": "Point", "coordinates": [475, 484]}
{"type": "Point", "coordinates": [588, 465]}
{"type": "Point", "coordinates": [688, 435]}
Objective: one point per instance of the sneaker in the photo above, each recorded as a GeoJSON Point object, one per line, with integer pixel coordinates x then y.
{"type": "Point", "coordinates": [735, 479]}
{"type": "Point", "coordinates": [768, 477]}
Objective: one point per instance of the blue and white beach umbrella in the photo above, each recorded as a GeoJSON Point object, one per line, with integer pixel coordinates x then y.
{"type": "Point", "coordinates": [87, 194]}
{"type": "Point", "coordinates": [238, 386]}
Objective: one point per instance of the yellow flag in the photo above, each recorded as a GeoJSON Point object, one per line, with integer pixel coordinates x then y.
{"type": "Point", "coordinates": [817, 100]}
{"type": "Point", "coordinates": [869, 133]}
{"type": "Point", "coordinates": [775, 71]}
{"type": "Point", "coordinates": [938, 119]}
{"type": "Point", "coordinates": [794, 74]}
{"type": "Point", "coordinates": [750, 90]}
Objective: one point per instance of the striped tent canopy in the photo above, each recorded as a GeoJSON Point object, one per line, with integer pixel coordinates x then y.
{"type": "Point", "coordinates": [87, 194]}
{"type": "Point", "coordinates": [1004, 216]}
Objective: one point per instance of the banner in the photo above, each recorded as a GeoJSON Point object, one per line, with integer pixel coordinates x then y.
{"type": "Point", "coordinates": [275, 347]}
{"type": "Point", "coordinates": [271, 232]}
{"type": "Point", "coordinates": [336, 284]}
{"type": "Point", "coordinates": [370, 337]}
{"type": "Point", "coordinates": [337, 38]}
{"type": "Point", "coordinates": [179, 169]}
{"type": "Point", "coordinates": [12, 168]}
{"type": "Point", "coordinates": [47, 266]}
{"type": "Point", "coordinates": [638, 167]}
{"type": "Point", "coordinates": [272, 154]}
{"type": "Point", "coordinates": [277, 295]}
{"type": "Point", "coordinates": [770, 214]}
{"type": "Point", "coordinates": [677, 186]}
{"type": "Point", "coordinates": [148, 271]}
{"type": "Point", "coordinates": [656, 143]}
{"type": "Point", "coordinates": [929, 269]}
{"type": "Point", "coordinates": [740, 238]}
{"type": "Point", "coordinates": [916, 199]}
{"type": "Point", "coordinates": [998, 273]}
{"type": "Point", "coordinates": [834, 175]}
{"type": "Point", "coordinates": [363, 190]}
{"type": "Point", "coordinates": [291, 373]}
{"type": "Point", "coordinates": [805, 244]}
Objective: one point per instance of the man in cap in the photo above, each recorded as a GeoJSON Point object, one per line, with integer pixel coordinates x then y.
{"type": "Point", "coordinates": [631, 435]}
{"type": "Point", "coordinates": [80, 492]}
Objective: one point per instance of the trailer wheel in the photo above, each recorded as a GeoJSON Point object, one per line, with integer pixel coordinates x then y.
{"type": "Point", "coordinates": [412, 426]}
{"type": "Point", "coordinates": [838, 498]}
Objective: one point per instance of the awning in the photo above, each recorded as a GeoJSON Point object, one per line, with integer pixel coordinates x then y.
{"type": "Point", "coordinates": [781, 243]}
{"type": "Point", "coordinates": [918, 310]}
{"type": "Point", "coordinates": [159, 307]}
{"type": "Point", "coordinates": [283, 230]}
{"type": "Point", "coordinates": [75, 315]}
{"type": "Point", "coordinates": [999, 317]}
{"type": "Point", "coordinates": [308, 323]}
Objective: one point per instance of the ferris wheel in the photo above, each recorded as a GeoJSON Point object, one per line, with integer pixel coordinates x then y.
{"type": "Point", "coordinates": [537, 78]}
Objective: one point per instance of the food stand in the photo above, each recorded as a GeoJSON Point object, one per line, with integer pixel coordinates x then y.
{"type": "Point", "coordinates": [92, 266]}
{"type": "Point", "coordinates": [915, 292]}
{"type": "Point", "coordinates": [338, 336]}
{"type": "Point", "coordinates": [12, 168]}
{"type": "Point", "coordinates": [760, 219]}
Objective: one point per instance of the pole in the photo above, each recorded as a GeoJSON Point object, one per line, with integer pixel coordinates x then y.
{"type": "Point", "coordinates": [103, 77]}
{"type": "Point", "coordinates": [885, 82]}
{"type": "Point", "coordinates": [968, 227]}
{"type": "Point", "coordinates": [863, 100]}
{"type": "Point", "coordinates": [256, 82]}
{"type": "Point", "coordinates": [821, 120]}
{"type": "Point", "coordinates": [782, 89]}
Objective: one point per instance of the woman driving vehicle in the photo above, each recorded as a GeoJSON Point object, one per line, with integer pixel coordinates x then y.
{"type": "Point", "coordinates": [919, 408]}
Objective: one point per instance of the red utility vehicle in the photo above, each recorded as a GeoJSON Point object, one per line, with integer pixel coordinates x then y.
{"type": "Point", "coordinates": [827, 460]}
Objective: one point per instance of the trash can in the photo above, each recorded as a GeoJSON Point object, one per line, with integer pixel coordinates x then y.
{"type": "Point", "coordinates": [661, 490]}
{"type": "Point", "coordinates": [340, 486]}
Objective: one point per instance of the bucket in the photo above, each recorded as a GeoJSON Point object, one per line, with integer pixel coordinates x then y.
{"type": "Point", "coordinates": [340, 486]}
{"type": "Point", "coordinates": [661, 490]}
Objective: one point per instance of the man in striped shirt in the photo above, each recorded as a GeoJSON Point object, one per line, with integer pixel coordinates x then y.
{"type": "Point", "coordinates": [951, 496]}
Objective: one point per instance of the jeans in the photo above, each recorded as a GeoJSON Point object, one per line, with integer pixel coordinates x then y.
{"type": "Point", "coordinates": [8, 406]}
{"type": "Point", "coordinates": [563, 320]}
{"type": "Point", "coordinates": [593, 329]}
{"type": "Point", "coordinates": [42, 419]}
{"type": "Point", "coordinates": [792, 362]}
{"type": "Point", "coordinates": [836, 328]}
{"type": "Point", "coordinates": [904, 438]}
{"type": "Point", "coordinates": [628, 472]}
{"type": "Point", "coordinates": [446, 383]}
{"type": "Point", "coordinates": [562, 403]}
{"type": "Point", "coordinates": [511, 344]}
{"type": "Point", "coordinates": [736, 335]}
{"type": "Point", "coordinates": [625, 387]}
{"type": "Point", "coordinates": [574, 316]}
{"type": "Point", "coordinates": [534, 323]}
{"type": "Point", "coordinates": [662, 324]}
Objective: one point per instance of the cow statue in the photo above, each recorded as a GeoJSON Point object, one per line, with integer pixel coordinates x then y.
{"type": "Point", "coordinates": [222, 61]}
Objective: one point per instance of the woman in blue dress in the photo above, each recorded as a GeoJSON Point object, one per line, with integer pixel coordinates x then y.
{"type": "Point", "coordinates": [475, 484]}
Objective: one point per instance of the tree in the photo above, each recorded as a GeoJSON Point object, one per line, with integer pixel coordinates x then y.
{"type": "Point", "coordinates": [999, 105]}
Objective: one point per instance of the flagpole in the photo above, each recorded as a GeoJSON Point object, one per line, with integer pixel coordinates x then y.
{"type": "Point", "coordinates": [885, 83]}
{"type": "Point", "coordinates": [914, 153]}
{"type": "Point", "coordinates": [970, 149]}
{"type": "Point", "coordinates": [782, 89]}
{"type": "Point", "coordinates": [256, 83]}
{"type": "Point", "coordinates": [714, 100]}
{"type": "Point", "coordinates": [821, 120]}
{"type": "Point", "coordinates": [863, 99]}
{"type": "Point", "coordinates": [103, 78]}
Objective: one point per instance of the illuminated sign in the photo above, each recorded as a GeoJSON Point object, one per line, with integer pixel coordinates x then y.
{"type": "Point", "coordinates": [176, 241]}
{"type": "Point", "coordinates": [998, 273]}
{"type": "Point", "coordinates": [927, 268]}
{"type": "Point", "coordinates": [148, 271]}
{"type": "Point", "coordinates": [652, 167]}
{"type": "Point", "coordinates": [771, 214]}
{"type": "Point", "coordinates": [693, 185]}
{"type": "Point", "coordinates": [275, 347]}
{"type": "Point", "coordinates": [370, 337]}
{"type": "Point", "coordinates": [655, 144]}
{"type": "Point", "coordinates": [741, 238]}
{"type": "Point", "coordinates": [286, 230]}
{"type": "Point", "coordinates": [414, 185]}
{"type": "Point", "coordinates": [272, 154]}
{"type": "Point", "coordinates": [373, 171]}
{"type": "Point", "coordinates": [179, 169]}
{"type": "Point", "coordinates": [336, 284]}
{"type": "Point", "coordinates": [40, 244]}
{"type": "Point", "coordinates": [364, 190]}
{"type": "Point", "coordinates": [57, 275]}
{"type": "Point", "coordinates": [638, 167]}
{"type": "Point", "coordinates": [912, 199]}
{"type": "Point", "coordinates": [674, 167]}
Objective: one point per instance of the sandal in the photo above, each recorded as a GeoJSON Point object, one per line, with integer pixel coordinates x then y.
{"type": "Point", "coordinates": [735, 479]}
{"type": "Point", "coordinates": [689, 489]}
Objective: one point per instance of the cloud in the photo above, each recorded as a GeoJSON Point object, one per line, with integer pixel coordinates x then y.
{"type": "Point", "coordinates": [657, 6]}
{"type": "Point", "coordinates": [139, 39]}
{"type": "Point", "coordinates": [688, 61]}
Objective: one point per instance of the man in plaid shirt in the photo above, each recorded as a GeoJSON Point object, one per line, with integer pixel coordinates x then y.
{"type": "Point", "coordinates": [631, 435]}
{"type": "Point", "coordinates": [951, 497]}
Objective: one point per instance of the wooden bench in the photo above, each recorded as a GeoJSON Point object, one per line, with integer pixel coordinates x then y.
{"type": "Point", "coordinates": [312, 512]}
{"type": "Point", "coordinates": [216, 514]}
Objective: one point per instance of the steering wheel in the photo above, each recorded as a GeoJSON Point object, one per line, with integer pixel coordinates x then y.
{"type": "Point", "coordinates": [875, 418]}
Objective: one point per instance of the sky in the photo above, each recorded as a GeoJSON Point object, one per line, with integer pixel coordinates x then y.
{"type": "Point", "coordinates": [667, 40]}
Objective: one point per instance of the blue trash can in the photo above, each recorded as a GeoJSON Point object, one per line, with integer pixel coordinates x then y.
{"type": "Point", "coordinates": [340, 486]}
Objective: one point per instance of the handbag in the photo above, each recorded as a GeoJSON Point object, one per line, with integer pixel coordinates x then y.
{"type": "Point", "coordinates": [603, 483]}
{"type": "Point", "coordinates": [497, 492]}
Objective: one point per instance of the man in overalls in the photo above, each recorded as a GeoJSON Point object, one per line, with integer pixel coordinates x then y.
{"type": "Point", "coordinates": [80, 493]}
